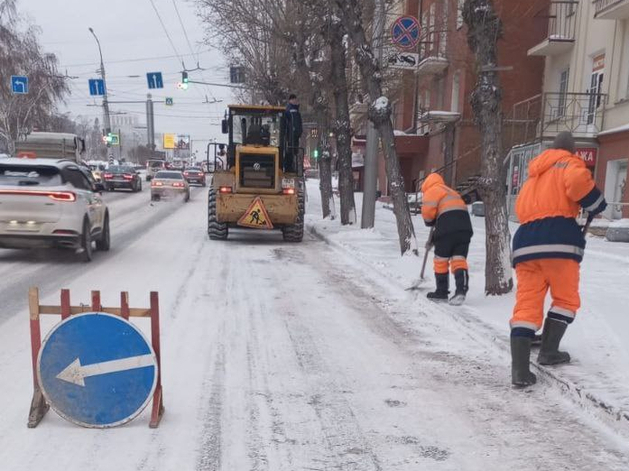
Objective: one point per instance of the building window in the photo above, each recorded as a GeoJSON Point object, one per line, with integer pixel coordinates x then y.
{"type": "Point", "coordinates": [456, 91]}
{"type": "Point", "coordinates": [595, 90]}
{"type": "Point", "coordinates": [459, 13]}
{"type": "Point", "coordinates": [563, 90]}
{"type": "Point", "coordinates": [425, 38]}
{"type": "Point", "coordinates": [431, 27]}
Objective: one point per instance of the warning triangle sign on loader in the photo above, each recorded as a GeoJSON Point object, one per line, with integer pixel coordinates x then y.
{"type": "Point", "coordinates": [256, 216]}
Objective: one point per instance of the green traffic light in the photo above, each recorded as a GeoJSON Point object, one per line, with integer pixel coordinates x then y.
{"type": "Point", "coordinates": [315, 153]}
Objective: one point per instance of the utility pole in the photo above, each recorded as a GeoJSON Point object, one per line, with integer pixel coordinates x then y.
{"type": "Point", "coordinates": [106, 116]}
{"type": "Point", "coordinates": [371, 153]}
{"type": "Point", "coordinates": [150, 123]}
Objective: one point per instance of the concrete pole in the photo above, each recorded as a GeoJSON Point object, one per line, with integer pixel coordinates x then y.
{"type": "Point", "coordinates": [371, 152]}
{"type": "Point", "coordinates": [150, 123]}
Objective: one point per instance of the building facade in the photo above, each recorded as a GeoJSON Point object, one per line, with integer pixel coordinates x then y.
{"type": "Point", "coordinates": [586, 91]}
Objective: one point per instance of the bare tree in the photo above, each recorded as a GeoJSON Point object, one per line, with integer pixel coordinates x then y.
{"type": "Point", "coordinates": [484, 31]}
{"type": "Point", "coordinates": [380, 114]}
{"type": "Point", "coordinates": [21, 53]}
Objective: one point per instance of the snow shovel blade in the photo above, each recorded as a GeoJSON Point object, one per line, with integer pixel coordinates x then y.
{"type": "Point", "coordinates": [417, 285]}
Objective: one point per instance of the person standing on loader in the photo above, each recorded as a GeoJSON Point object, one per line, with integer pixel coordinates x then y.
{"type": "Point", "coordinates": [294, 130]}
{"type": "Point", "coordinates": [443, 209]}
{"type": "Point", "coordinates": [547, 250]}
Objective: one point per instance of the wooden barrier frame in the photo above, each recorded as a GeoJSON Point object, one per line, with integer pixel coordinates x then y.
{"type": "Point", "coordinates": [39, 406]}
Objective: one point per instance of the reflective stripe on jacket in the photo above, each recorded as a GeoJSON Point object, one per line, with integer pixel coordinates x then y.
{"type": "Point", "coordinates": [558, 184]}
{"type": "Point", "coordinates": [443, 207]}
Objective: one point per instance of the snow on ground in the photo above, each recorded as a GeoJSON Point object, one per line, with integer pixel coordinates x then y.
{"type": "Point", "coordinates": [287, 357]}
{"type": "Point", "coordinates": [597, 341]}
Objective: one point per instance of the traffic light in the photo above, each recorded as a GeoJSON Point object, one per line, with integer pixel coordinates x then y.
{"type": "Point", "coordinates": [315, 154]}
{"type": "Point", "coordinates": [183, 85]}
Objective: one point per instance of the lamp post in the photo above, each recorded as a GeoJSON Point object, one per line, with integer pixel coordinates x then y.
{"type": "Point", "coordinates": [102, 75]}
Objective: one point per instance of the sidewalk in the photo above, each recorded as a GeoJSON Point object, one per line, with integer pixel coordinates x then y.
{"type": "Point", "coordinates": [598, 376]}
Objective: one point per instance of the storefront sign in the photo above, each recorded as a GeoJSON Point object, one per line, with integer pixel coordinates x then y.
{"type": "Point", "coordinates": [588, 154]}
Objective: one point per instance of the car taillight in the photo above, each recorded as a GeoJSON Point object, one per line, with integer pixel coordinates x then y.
{"type": "Point", "coordinates": [107, 176]}
{"type": "Point", "coordinates": [128, 177]}
{"type": "Point", "coordinates": [178, 185]}
{"type": "Point", "coordinates": [288, 191]}
{"type": "Point", "coordinates": [66, 196]}
{"type": "Point", "coordinates": [225, 189]}
{"type": "Point", "coordinates": [154, 183]}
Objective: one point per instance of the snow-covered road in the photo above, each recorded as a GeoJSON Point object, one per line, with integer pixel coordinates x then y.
{"type": "Point", "coordinates": [283, 357]}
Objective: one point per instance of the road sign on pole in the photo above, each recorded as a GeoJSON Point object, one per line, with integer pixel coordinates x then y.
{"type": "Point", "coordinates": [403, 60]}
{"type": "Point", "coordinates": [169, 101]}
{"type": "Point", "coordinates": [97, 87]}
{"type": "Point", "coordinates": [97, 370]}
{"type": "Point", "coordinates": [155, 80]}
{"type": "Point", "coordinates": [405, 32]}
{"type": "Point", "coordinates": [19, 84]}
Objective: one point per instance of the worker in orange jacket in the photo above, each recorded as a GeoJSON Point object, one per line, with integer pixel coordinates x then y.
{"type": "Point", "coordinates": [444, 209]}
{"type": "Point", "coordinates": [547, 250]}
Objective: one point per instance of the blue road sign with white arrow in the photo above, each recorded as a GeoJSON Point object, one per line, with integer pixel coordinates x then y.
{"type": "Point", "coordinates": [97, 86]}
{"type": "Point", "coordinates": [97, 370]}
{"type": "Point", "coordinates": [155, 80]}
{"type": "Point", "coordinates": [19, 84]}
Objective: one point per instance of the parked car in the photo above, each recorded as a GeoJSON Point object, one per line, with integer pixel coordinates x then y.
{"type": "Point", "coordinates": [122, 176]}
{"type": "Point", "coordinates": [47, 203]}
{"type": "Point", "coordinates": [194, 175]}
{"type": "Point", "coordinates": [154, 166]}
{"type": "Point", "coordinates": [169, 183]}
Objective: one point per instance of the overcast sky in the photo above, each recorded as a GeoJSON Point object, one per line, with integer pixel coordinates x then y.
{"type": "Point", "coordinates": [134, 43]}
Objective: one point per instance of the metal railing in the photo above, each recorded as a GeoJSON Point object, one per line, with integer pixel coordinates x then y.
{"type": "Point", "coordinates": [602, 5]}
{"type": "Point", "coordinates": [561, 16]}
{"type": "Point", "coordinates": [579, 113]}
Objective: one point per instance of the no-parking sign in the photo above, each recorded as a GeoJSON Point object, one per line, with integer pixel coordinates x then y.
{"type": "Point", "coordinates": [405, 32]}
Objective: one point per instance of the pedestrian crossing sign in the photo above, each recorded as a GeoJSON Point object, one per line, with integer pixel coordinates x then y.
{"type": "Point", "coordinates": [256, 216]}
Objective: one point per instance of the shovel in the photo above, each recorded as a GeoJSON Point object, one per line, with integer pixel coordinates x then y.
{"type": "Point", "coordinates": [417, 284]}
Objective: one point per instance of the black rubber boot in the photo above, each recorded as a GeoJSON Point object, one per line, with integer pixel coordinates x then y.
{"type": "Point", "coordinates": [443, 283]}
{"type": "Point", "coordinates": [461, 279]}
{"type": "Point", "coordinates": [521, 375]}
{"type": "Point", "coordinates": [552, 334]}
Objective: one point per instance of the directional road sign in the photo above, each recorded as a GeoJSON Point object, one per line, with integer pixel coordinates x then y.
{"type": "Point", "coordinates": [155, 80]}
{"type": "Point", "coordinates": [405, 32]}
{"type": "Point", "coordinates": [97, 370]}
{"type": "Point", "coordinates": [19, 84]}
{"type": "Point", "coordinates": [97, 86]}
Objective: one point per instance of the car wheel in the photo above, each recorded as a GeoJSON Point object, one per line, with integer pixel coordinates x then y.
{"type": "Point", "coordinates": [154, 198]}
{"type": "Point", "coordinates": [139, 185]}
{"type": "Point", "coordinates": [187, 197]}
{"type": "Point", "coordinates": [104, 243]}
{"type": "Point", "coordinates": [86, 243]}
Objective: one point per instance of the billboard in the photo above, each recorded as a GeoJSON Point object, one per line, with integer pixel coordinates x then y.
{"type": "Point", "coordinates": [170, 141]}
{"type": "Point", "coordinates": [183, 142]}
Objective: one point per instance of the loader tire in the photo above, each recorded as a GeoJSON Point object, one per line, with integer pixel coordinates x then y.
{"type": "Point", "coordinates": [295, 232]}
{"type": "Point", "coordinates": [215, 230]}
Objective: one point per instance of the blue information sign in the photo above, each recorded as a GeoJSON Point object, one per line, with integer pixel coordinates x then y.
{"type": "Point", "coordinates": [97, 370]}
{"type": "Point", "coordinates": [155, 80]}
{"type": "Point", "coordinates": [19, 84]}
{"type": "Point", "coordinates": [97, 86]}
{"type": "Point", "coordinates": [405, 32]}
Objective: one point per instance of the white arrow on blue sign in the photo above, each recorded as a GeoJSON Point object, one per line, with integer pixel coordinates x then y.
{"type": "Point", "coordinates": [97, 86]}
{"type": "Point", "coordinates": [97, 370]}
{"type": "Point", "coordinates": [19, 84]}
{"type": "Point", "coordinates": [155, 80]}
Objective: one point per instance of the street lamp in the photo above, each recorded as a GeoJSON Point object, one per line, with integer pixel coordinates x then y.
{"type": "Point", "coordinates": [102, 75]}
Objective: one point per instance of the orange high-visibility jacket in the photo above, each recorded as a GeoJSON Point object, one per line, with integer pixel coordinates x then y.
{"type": "Point", "coordinates": [443, 207]}
{"type": "Point", "coordinates": [558, 184]}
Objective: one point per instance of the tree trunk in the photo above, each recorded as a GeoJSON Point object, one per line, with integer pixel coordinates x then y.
{"type": "Point", "coordinates": [484, 30]}
{"type": "Point", "coordinates": [380, 115]}
{"type": "Point", "coordinates": [325, 183]}
{"type": "Point", "coordinates": [342, 124]}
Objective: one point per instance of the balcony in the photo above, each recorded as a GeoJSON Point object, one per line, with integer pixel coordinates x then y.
{"type": "Point", "coordinates": [611, 9]}
{"type": "Point", "coordinates": [580, 113]}
{"type": "Point", "coordinates": [432, 65]}
{"type": "Point", "coordinates": [561, 17]}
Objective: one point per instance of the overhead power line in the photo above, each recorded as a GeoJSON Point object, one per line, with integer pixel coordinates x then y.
{"type": "Point", "coordinates": [139, 59]}
{"type": "Point", "coordinates": [166, 31]}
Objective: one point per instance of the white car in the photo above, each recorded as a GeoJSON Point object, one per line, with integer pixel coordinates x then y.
{"type": "Point", "coordinates": [51, 203]}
